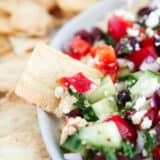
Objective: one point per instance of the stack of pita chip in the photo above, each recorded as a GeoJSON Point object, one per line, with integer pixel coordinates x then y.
{"type": "Point", "coordinates": [24, 24]}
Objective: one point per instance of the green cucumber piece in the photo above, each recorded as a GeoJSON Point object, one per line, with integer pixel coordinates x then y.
{"type": "Point", "coordinates": [105, 107]}
{"type": "Point", "coordinates": [106, 89]}
{"type": "Point", "coordinates": [73, 144]}
{"type": "Point", "coordinates": [103, 136]}
{"type": "Point", "coordinates": [146, 85]}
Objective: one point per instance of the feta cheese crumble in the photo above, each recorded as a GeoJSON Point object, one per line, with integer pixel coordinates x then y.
{"type": "Point", "coordinates": [137, 117]}
{"type": "Point", "coordinates": [71, 127]}
{"type": "Point", "coordinates": [58, 92]}
{"type": "Point", "coordinates": [146, 124]}
{"type": "Point", "coordinates": [152, 20]}
{"type": "Point", "coordinates": [133, 32]}
{"type": "Point", "coordinates": [141, 101]}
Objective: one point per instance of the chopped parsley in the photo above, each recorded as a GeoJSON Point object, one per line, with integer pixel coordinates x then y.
{"type": "Point", "coordinates": [109, 40]}
{"type": "Point", "coordinates": [149, 140]}
{"type": "Point", "coordinates": [130, 79]}
{"type": "Point", "coordinates": [111, 156]}
{"type": "Point", "coordinates": [87, 111]}
{"type": "Point", "coordinates": [129, 150]}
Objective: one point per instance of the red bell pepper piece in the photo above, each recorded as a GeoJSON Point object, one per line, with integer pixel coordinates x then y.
{"type": "Point", "coordinates": [106, 60]}
{"type": "Point", "coordinates": [117, 27]}
{"type": "Point", "coordinates": [78, 81]}
{"type": "Point", "coordinates": [147, 42]}
{"type": "Point", "coordinates": [139, 56]}
{"type": "Point", "coordinates": [79, 48]}
{"type": "Point", "coordinates": [156, 153]}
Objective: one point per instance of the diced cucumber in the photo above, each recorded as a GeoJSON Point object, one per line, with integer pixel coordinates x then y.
{"type": "Point", "coordinates": [105, 80]}
{"type": "Point", "coordinates": [132, 76]}
{"type": "Point", "coordinates": [73, 144]}
{"type": "Point", "coordinates": [104, 136]}
{"type": "Point", "coordinates": [106, 89]}
{"type": "Point", "coordinates": [105, 107]}
{"type": "Point", "coordinates": [146, 85]}
{"type": "Point", "coordinates": [138, 74]}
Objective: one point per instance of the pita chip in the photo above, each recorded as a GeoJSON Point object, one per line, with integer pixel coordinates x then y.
{"type": "Point", "coordinates": [40, 76]}
{"type": "Point", "coordinates": [17, 115]}
{"type": "Point", "coordinates": [22, 146]}
{"type": "Point", "coordinates": [11, 68]}
{"type": "Point", "coordinates": [23, 45]}
{"type": "Point", "coordinates": [32, 18]}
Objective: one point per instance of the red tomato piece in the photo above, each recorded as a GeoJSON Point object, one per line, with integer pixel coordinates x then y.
{"type": "Point", "coordinates": [106, 60]}
{"type": "Point", "coordinates": [139, 56]}
{"type": "Point", "coordinates": [73, 55]}
{"type": "Point", "coordinates": [153, 114]}
{"type": "Point", "coordinates": [126, 130]}
{"type": "Point", "coordinates": [79, 82]}
{"type": "Point", "coordinates": [117, 27]}
{"type": "Point", "coordinates": [79, 48]}
{"type": "Point", "coordinates": [147, 42]}
{"type": "Point", "coordinates": [156, 153]}
{"type": "Point", "coordinates": [142, 30]}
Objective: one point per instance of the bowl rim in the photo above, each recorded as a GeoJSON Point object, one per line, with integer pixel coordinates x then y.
{"type": "Point", "coordinates": [44, 119]}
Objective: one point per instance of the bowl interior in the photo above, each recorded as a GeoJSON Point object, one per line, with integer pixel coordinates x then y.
{"type": "Point", "coordinates": [88, 18]}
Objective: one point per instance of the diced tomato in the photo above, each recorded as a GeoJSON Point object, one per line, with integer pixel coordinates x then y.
{"type": "Point", "coordinates": [142, 30]}
{"type": "Point", "coordinates": [117, 27]}
{"type": "Point", "coordinates": [126, 130]}
{"type": "Point", "coordinates": [139, 56]}
{"type": "Point", "coordinates": [153, 115]}
{"type": "Point", "coordinates": [106, 60]}
{"type": "Point", "coordinates": [79, 48]}
{"type": "Point", "coordinates": [147, 42]}
{"type": "Point", "coordinates": [73, 55]}
{"type": "Point", "coordinates": [78, 81]}
{"type": "Point", "coordinates": [156, 153]}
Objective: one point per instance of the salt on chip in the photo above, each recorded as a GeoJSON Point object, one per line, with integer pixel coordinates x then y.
{"type": "Point", "coordinates": [48, 4]}
{"type": "Point", "coordinates": [10, 71]}
{"type": "Point", "coordinates": [5, 25]}
{"type": "Point", "coordinates": [17, 115]}
{"type": "Point", "coordinates": [8, 6]}
{"type": "Point", "coordinates": [73, 6]}
{"type": "Point", "coordinates": [5, 45]}
{"type": "Point", "coordinates": [24, 45]}
{"type": "Point", "coordinates": [31, 18]}
{"type": "Point", "coordinates": [22, 146]}
{"type": "Point", "coordinates": [44, 68]}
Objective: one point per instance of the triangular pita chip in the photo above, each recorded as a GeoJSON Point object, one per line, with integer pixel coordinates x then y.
{"type": "Point", "coordinates": [44, 68]}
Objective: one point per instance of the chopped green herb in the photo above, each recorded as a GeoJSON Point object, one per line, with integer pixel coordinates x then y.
{"type": "Point", "coordinates": [73, 144]}
{"type": "Point", "coordinates": [109, 40]}
{"type": "Point", "coordinates": [128, 107]}
{"type": "Point", "coordinates": [128, 150]}
{"type": "Point", "coordinates": [87, 111]}
{"type": "Point", "coordinates": [111, 156]}
{"type": "Point", "coordinates": [157, 27]}
{"type": "Point", "coordinates": [149, 140]}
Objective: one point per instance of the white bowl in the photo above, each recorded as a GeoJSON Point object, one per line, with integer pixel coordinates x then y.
{"type": "Point", "coordinates": [86, 19]}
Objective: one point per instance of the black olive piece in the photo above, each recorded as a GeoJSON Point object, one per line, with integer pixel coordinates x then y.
{"type": "Point", "coordinates": [123, 97]}
{"type": "Point", "coordinates": [156, 98]}
{"type": "Point", "coordinates": [85, 35]}
{"type": "Point", "coordinates": [97, 33]}
{"type": "Point", "coordinates": [144, 11]}
{"type": "Point", "coordinates": [127, 45]}
{"type": "Point", "coordinates": [75, 112]}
